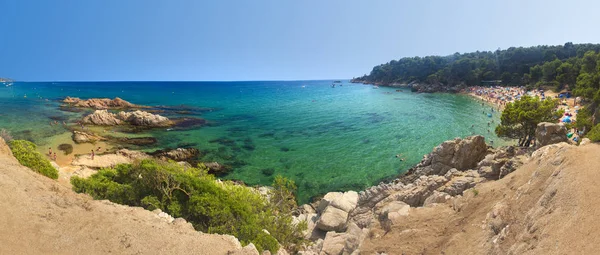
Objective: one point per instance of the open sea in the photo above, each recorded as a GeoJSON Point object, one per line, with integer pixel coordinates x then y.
{"type": "Point", "coordinates": [324, 138]}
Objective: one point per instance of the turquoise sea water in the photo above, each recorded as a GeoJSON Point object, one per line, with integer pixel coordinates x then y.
{"type": "Point", "coordinates": [324, 138]}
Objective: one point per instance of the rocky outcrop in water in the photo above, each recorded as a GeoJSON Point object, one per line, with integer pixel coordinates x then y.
{"type": "Point", "coordinates": [102, 118]}
{"type": "Point", "coordinates": [550, 133]}
{"type": "Point", "coordinates": [141, 118]}
{"type": "Point", "coordinates": [136, 118]}
{"type": "Point", "coordinates": [100, 103]}
{"type": "Point", "coordinates": [83, 137]}
{"type": "Point", "coordinates": [179, 154]}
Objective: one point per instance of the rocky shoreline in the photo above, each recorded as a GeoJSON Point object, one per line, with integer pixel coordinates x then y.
{"type": "Point", "coordinates": [340, 222]}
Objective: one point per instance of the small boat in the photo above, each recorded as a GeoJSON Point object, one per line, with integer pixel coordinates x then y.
{"type": "Point", "coordinates": [375, 87]}
{"type": "Point", "coordinates": [337, 81]}
{"type": "Point", "coordinates": [333, 85]}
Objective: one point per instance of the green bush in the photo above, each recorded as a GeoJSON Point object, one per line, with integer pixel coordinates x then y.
{"type": "Point", "coordinates": [27, 154]}
{"type": "Point", "coordinates": [211, 206]}
{"type": "Point", "coordinates": [594, 134]}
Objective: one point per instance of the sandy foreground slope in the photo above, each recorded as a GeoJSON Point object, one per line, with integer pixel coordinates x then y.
{"type": "Point", "coordinates": [550, 205]}
{"type": "Point", "coordinates": [40, 216]}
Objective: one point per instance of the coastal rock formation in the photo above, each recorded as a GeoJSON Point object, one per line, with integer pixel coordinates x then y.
{"type": "Point", "coordinates": [136, 118]}
{"type": "Point", "coordinates": [83, 137]}
{"type": "Point", "coordinates": [100, 103]}
{"type": "Point", "coordinates": [141, 118]}
{"type": "Point", "coordinates": [442, 177]}
{"type": "Point", "coordinates": [179, 154]}
{"type": "Point", "coordinates": [550, 133]}
{"type": "Point", "coordinates": [102, 118]}
{"type": "Point", "coordinates": [518, 214]}
{"type": "Point", "coordinates": [461, 154]}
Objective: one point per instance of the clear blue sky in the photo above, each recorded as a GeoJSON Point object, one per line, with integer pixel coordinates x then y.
{"type": "Point", "coordinates": [75, 40]}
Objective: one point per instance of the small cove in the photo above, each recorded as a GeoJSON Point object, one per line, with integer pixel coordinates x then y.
{"type": "Point", "coordinates": [326, 139]}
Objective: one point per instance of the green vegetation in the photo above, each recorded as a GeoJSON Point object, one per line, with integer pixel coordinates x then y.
{"type": "Point", "coordinates": [520, 118]}
{"type": "Point", "coordinates": [27, 154]}
{"type": "Point", "coordinates": [594, 134]}
{"type": "Point", "coordinates": [210, 205]}
{"type": "Point", "coordinates": [514, 66]}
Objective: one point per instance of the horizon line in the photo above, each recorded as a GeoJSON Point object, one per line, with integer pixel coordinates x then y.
{"type": "Point", "coordinates": [182, 80]}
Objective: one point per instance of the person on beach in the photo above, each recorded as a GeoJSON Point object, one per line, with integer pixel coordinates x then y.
{"type": "Point", "coordinates": [98, 149]}
{"type": "Point", "coordinates": [92, 154]}
{"type": "Point", "coordinates": [54, 156]}
{"type": "Point", "coordinates": [50, 152]}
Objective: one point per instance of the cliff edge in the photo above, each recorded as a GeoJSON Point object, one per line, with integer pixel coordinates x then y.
{"type": "Point", "coordinates": [550, 205]}
{"type": "Point", "coordinates": [39, 216]}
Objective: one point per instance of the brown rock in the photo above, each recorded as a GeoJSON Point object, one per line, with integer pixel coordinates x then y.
{"type": "Point", "coordinates": [102, 118]}
{"type": "Point", "coordinates": [100, 103]}
{"type": "Point", "coordinates": [83, 137]}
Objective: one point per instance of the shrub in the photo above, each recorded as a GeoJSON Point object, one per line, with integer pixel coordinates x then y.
{"type": "Point", "coordinates": [211, 206]}
{"type": "Point", "coordinates": [594, 134]}
{"type": "Point", "coordinates": [27, 154]}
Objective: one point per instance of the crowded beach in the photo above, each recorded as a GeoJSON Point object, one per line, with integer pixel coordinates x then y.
{"type": "Point", "coordinates": [500, 96]}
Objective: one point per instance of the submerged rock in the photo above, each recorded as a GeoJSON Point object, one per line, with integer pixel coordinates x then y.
{"type": "Point", "coordinates": [66, 148]}
{"type": "Point", "coordinates": [140, 141]}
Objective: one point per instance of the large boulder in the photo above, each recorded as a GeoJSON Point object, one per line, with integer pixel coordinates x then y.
{"type": "Point", "coordinates": [550, 133]}
{"type": "Point", "coordinates": [333, 219]}
{"type": "Point", "coordinates": [462, 154]}
{"type": "Point", "coordinates": [347, 202]}
{"type": "Point", "coordinates": [102, 118]}
{"type": "Point", "coordinates": [141, 118]}
{"type": "Point", "coordinates": [344, 243]}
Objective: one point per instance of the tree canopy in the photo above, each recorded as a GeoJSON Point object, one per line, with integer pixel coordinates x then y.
{"type": "Point", "coordinates": [514, 66]}
{"type": "Point", "coordinates": [520, 118]}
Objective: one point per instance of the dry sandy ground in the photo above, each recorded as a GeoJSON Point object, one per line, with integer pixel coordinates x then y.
{"type": "Point", "coordinates": [550, 205]}
{"type": "Point", "coordinates": [40, 216]}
